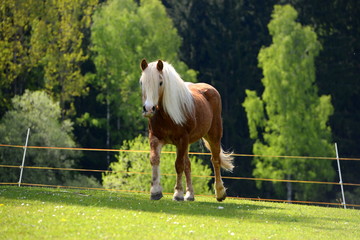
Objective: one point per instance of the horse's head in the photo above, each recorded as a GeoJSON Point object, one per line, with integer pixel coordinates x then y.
{"type": "Point", "coordinates": [152, 86]}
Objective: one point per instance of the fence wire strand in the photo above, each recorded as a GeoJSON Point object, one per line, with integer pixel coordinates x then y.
{"type": "Point", "coordinates": [173, 174]}
{"type": "Point", "coordinates": [167, 152]}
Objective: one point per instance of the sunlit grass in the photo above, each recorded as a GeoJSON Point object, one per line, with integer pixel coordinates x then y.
{"type": "Point", "coordinates": [45, 213]}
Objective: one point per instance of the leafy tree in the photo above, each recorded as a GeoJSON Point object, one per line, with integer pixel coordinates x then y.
{"type": "Point", "coordinates": [41, 46]}
{"type": "Point", "coordinates": [15, 60]}
{"type": "Point", "coordinates": [337, 70]}
{"type": "Point", "coordinates": [289, 118]}
{"type": "Point", "coordinates": [123, 33]}
{"type": "Point", "coordinates": [57, 45]}
{"type": "Point", "coordinates": [139, 162]}
{"type": "Point", "coordinates": [35, 110]}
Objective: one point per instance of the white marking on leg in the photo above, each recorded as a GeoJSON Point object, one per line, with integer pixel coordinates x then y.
{"type": "Point", "coordinates": [178, 195]}
{"type": "Point", "coordinates": [220, 190]}
{"type": "Point", "coordinates": [189, 196]}
{"type": "Point", "coordinates": [155, 186]}
{"type": "Point", "coordinates": [156, 189]}
{"type": "Point", "coordinates": [178, 189]}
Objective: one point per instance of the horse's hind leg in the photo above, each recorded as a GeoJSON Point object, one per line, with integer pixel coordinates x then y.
{"type": "Point", "coordinates": [155, 149]}
{"type": "Point", "coordinates": [215, 148]}
{"type": "Point", "coordinates": [220, 190]}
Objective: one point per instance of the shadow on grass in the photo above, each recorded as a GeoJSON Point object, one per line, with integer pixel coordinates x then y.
{"type": "Point", "coordinates": [140, 202]}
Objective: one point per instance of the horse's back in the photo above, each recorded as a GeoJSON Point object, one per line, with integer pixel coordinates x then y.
{"type": "Point", "coordinates": [208, 92]}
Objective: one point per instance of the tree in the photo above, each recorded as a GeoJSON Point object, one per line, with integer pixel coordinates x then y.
{"type": "Point", "coordinates": [35, 110]}
{"type": "Point", "coordinates": [123, 33]}
{"type": "Point", "coordinates": [337, 26]}
{"type": "Point", "coordinates": [15, 60]}
{"type": "Point", "coordinates": [41, 46]}
{"type": "Point", "coordinates": [139, 162]}
{"type": "Point", "coordinates": [289, 118]}
{"type": "Point", "coordinates": [57, 46]}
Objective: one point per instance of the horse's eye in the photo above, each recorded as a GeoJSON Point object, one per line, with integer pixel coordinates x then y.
{"type": "Point", "coordinates": [161, 83]}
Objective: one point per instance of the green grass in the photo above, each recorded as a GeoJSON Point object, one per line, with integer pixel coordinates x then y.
{"type": "Point", "coordinates": [46, 213]}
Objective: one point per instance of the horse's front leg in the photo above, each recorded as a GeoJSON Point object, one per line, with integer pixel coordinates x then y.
{"type": "Point", "coordinates": [155, 150]}
{"type": "Point", "coordinates": [181, 153]}
{"type": "Point", "coordinates": [189, 196]}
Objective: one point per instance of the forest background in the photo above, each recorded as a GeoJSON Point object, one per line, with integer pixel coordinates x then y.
{"type": "Point", "coordinates": [70, 70]}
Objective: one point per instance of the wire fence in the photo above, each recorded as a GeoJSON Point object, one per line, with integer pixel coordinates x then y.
{"type": "Point", "coordinates": [22, 167]}
{"type": "Point", "coordinates": [191, 153]}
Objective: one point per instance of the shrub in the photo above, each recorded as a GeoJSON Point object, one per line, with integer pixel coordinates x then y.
{"type": "Point", "coordinates": [36, 110]}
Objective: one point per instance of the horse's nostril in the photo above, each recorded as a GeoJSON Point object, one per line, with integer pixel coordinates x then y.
{"type": "Point", "coordinates": [153, 108]}
{"type": "Point", "coordinates": [144, 109]}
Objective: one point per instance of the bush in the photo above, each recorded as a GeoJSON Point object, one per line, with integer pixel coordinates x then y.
{"type": "Point", "coordinates": [35, 110]}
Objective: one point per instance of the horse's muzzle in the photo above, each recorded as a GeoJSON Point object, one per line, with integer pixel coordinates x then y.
{"type": "Point", "coordinates": [148, 112]}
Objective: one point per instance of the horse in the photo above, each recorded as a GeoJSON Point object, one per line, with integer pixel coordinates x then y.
{"type": "Point", "coordinates": [181, 113]}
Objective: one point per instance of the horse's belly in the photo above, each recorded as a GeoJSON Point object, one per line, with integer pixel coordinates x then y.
{"type": "Point", "coordinates": [203, 122]}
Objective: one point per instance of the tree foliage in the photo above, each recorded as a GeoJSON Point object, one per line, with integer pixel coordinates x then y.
{"type": "Point", "coordinates": [56, 44]}
{"type": "Point", "coordinates": [337, 26]}
{"type": "Point", "coordinates": [35, 110]}
{"type": "Point", "coordinates": [15, 59]}
{"type": "Point", "coordinates": [289, 118]}
{"type": "Point", "coordinates": [42, 47]}
{"type": "Point", "coordinates": [126, 176]}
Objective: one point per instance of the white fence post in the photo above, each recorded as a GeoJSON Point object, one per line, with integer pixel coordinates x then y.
{"type": "Point", "coordinates": [341, 182]}
{"type": "Point", "coordinates": [23, 160]}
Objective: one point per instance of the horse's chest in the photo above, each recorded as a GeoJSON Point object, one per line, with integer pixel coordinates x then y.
{"type": "Point", "coordinates": [168, 132]}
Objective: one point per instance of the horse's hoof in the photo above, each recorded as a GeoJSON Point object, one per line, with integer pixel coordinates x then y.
{"type": "Point", "coordinates": [189, 196]}
{"type": "Point", "coordinates": [190, 199]}
{"type": "Point", "coordinates": [156, 196]}
{"type": "Point", "coordinates": [178, 199]}
{"type": "Point", "coordinates": [222, 198]}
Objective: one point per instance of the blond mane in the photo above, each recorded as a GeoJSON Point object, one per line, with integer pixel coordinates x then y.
{"type": "Point", "coordinates": [177, 100]}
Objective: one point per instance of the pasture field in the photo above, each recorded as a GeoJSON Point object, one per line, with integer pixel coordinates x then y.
{"type": "Point", "coordinates": [54, 213]}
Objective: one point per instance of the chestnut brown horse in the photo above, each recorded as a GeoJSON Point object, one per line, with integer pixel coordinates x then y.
{"type": "Point", "coordinates": [181, 113]}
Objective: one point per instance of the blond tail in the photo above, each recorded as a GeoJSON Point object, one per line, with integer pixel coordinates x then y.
{"type": "Point", "coordinates": [225, 158]}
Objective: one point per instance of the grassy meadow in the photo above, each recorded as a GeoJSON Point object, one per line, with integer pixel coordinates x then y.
{"type": "Point", "coordinates": [53, 213]}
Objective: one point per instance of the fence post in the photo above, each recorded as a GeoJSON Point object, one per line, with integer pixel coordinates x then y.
{"type": "Point", "coordinates": [341, 182]}
{"type": "Point", "coordinates": [23, 160]}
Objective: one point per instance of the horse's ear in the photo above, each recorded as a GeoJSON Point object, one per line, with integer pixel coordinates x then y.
{"type": "Point", "coordinates": [143, 64]}
{"type": "Point", "coordinates": [159, 65]}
